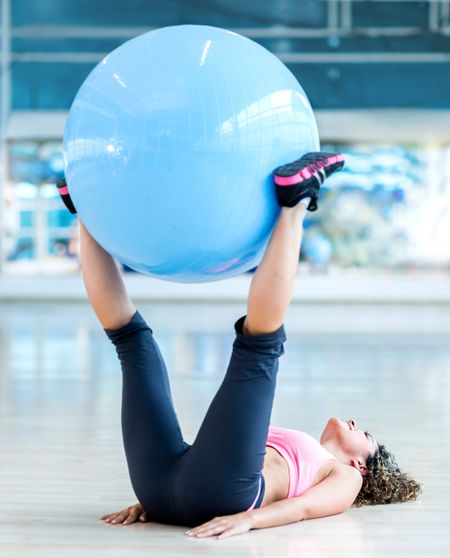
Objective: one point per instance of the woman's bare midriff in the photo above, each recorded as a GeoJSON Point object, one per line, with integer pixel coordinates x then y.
{"type": "Point", "coordinates": [276, 476]}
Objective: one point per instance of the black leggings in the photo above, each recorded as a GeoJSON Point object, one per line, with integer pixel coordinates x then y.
{"type": "Point", "coordinates": [220, 473]}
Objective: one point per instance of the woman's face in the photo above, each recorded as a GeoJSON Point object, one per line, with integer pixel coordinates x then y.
{"type": "Point", "coordinates": [348, 443]}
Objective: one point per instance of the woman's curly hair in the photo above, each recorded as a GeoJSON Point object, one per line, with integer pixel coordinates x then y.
{"type": "Point", "coordinates": [385, 483]}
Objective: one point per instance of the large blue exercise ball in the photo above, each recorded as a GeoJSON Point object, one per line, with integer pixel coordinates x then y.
{"type": "Point", "coordinates": [169, 148]}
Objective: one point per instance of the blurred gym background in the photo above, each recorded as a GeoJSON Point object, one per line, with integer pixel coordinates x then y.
{"type": "Point", "coordinates": [377, 74]}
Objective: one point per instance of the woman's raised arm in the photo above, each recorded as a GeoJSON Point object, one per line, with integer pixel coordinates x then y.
{"type": "Point", "coordinates": [104, 283]}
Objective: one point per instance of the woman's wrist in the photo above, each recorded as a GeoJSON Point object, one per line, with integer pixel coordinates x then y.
{"type": "Point", "coordinates": [253, 517]}
{"type": "Point", "coordinates": [278, 513]}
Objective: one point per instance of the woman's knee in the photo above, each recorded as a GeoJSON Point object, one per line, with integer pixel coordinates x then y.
{"type": "Point", "coordinates": [253, 329]}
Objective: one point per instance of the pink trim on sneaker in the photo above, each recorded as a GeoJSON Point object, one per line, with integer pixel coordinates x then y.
{"type": "Point", "coordinates": [335, 159]}
{"type": "Point", "coordinates": [306, 173]}
{"type": "Point", "coordinates": [288, 180]}
{"type": "Point", "coordinates": [63, 191]}
{"type": "Point", "coordinates": [257, 496]}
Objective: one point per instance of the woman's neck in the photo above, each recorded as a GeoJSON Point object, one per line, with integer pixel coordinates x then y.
{"type": "Point", "coordinates": [334, 449]}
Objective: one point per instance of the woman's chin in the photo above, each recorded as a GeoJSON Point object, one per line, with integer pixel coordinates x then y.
{"type": "Point", "coordinates": [334, 422]}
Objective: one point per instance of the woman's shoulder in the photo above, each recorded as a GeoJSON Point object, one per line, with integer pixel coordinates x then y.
{"type": "Point", "coordinates": [336, 468]}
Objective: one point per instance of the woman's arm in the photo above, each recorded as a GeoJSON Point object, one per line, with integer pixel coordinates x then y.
{"type": "Point", "coordinates": [333, 495]}
{"type": "Point", "coordinates": [104, 284]}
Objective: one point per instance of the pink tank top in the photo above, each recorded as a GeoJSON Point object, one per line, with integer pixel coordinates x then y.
{"type": "Point", "coordinates": [303, 454]}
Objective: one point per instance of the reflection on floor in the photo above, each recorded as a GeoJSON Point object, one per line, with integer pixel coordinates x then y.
{"type": "Point", "coordinates": [61, 458]}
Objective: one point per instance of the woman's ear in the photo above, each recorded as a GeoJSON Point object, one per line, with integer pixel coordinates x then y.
{"type": "Point", "coordinates": [360, 465]}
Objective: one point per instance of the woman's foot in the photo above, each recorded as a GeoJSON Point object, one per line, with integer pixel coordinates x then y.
{"type": "Point", "coordinates": [303, 178]}
{"type": "Point", "coordinates": [65, 196]}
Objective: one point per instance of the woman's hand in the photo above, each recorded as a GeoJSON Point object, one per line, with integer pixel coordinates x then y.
{"type": "Point", "coordinates": [127, 516]}
{"type": "Point", "coordinates": [223, 527]}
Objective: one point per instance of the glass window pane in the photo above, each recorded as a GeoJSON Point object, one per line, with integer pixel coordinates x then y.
{"type": "Point", "coordinates": [26, 218]}
{"type": "Point", "coordinates": [23, 249]}
{"type": "Point", "coordinates": [60, 218]}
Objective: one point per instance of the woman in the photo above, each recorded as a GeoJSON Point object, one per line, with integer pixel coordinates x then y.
{"type": "Point", "coordinates": [240, 473]}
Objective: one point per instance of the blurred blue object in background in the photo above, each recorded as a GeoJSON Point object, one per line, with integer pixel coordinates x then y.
{"type": "Point", "coordinates": [318, 250]}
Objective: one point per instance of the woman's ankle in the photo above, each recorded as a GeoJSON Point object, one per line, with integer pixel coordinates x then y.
{"type": "Point", "coordinates": [297, 212]}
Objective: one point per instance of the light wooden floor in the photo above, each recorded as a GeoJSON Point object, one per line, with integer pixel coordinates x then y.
{"type": "Point", "coordinates": [61, 458]}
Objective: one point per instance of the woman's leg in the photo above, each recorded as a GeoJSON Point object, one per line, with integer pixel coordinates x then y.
{"type": "Point", "coordinates": [151, 433]}
{"type": "Point", "coordinates": [221, 472]}
{"type": "Point", "coordinates": [272, 284]}
{"type": "Point", "coordinates": [104, 284]}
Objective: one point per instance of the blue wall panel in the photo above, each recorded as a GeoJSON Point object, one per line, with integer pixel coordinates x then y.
{"type": "Point", "coordinates": [346, 86]}
{"type": "Point", "coordinates": [331, 81]}
{"type": "Point", "coordinates": [329, 86]}
{"type": "Point", "coordinates": [390, 13]}
{"type": "Point", "coordinates": [169, 12]}
{"type": "Point", "coordinates": [46, 86]}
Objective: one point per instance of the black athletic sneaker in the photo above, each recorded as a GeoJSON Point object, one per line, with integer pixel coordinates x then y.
{"type": "Point", "coordinates": [304, 177]}
{"type": "Point", "coordinates": [65, 196]}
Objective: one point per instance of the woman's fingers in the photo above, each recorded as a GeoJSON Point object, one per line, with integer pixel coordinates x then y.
{"type": "Point", "coordinates": [194, 532]}
{"type": "Point", "coordinates": [222, 527]}
{"type": "Point", "coordinates": [119, 517]}
{"type": "Point", "coordinates": [208, 532]}
{"type": "Point", "coordinates": [126, 516]}
{"type": "Point", "coordinates": [110, 516]}
{"type": "Point", "coordinates": [129, 516]}
{"type": "Point", "coordinates": [213, 527]}
{"type": "Point", "coordinates": [135, 514]}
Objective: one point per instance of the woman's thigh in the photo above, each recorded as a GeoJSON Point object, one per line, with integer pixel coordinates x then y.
{"type": "Point", "coordinates": [151, 432]}
{"type": "Point", "coordinates": [221, 472]}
